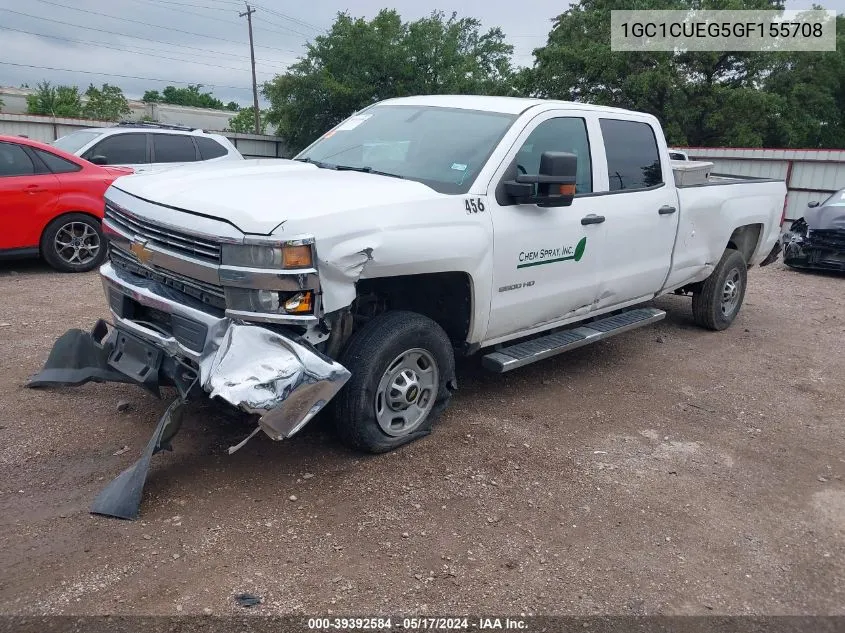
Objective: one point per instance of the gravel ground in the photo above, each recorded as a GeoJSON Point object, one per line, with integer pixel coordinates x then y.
{"type": "Point", "coordinates": [669, 470]}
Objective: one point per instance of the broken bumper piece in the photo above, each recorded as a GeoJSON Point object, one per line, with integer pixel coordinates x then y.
{"type": "Point", "coordinates": [819, 249]}
{"type": "Point", "coordinates": [258, 370]}
{"type": "Point", "coordinates": [262, 372]}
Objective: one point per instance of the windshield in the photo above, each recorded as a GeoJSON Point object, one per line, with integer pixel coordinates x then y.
{"type": "Point", "coordinates": [443, 148]}
{"type": "Point", "coordinates": [73, 142]}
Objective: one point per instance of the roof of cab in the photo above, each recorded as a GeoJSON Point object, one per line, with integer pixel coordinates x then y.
{"type": "Point", "coordinates": [505, 105]}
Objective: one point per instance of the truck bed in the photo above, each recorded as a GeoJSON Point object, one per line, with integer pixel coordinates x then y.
{"type": "Point", "coordinates": [725, 209]}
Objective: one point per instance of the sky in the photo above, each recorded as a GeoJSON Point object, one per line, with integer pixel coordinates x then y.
{"type": "Point", "coordinates": [155, 43]}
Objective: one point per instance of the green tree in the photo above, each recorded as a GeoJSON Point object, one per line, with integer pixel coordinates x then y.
{"type": "Point", "coordinates": [58, 101]}
{"type": "Point", "coordinates": [191, 96]}
{"type": "Point", "coordinates": [2, 103]}
{"type": "Point", "coordinates": [359, 62]}
{"type": "Point", "coordinates": [105, 104]}
{"type": "Point", "coordinates": [244, 121]}
{"type": "Point", "coordinates": [812, 89]}
{"type": "Point", "coordinates": [151, 96]}
{"type": "Point", "coordinates": [234, 107]}
{"type": "Point", "coordinates": [702, 98]}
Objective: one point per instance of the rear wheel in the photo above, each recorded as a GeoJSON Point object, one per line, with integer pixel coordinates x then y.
{"type": "Point", "coordinates": [73, 243]}
{"type": "Point", "coordinates": [402, 365]}
{"type": "Point", "coordinates": [717, 302]}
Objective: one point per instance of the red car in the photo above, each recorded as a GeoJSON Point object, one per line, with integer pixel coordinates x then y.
{"type": "Point", "coordinates": [51, 204]}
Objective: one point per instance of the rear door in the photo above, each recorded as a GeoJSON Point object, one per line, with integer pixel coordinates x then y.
{"type": "Point", "coordinates": [173, 149]}
{"type": "Point", "coordinates": [28, 195]}
{"type": "Point", "coordinates": [641, 212]}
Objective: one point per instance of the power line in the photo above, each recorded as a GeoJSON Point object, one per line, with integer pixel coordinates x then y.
{"type": "Point", "coordinates": [281, 26]}
{"type": "Point", "coordinates": [290, 18]}
{"type": "Point", "coordinates": [158, 26]}
{"type": "Point", "coordinates": [231, 2]}
{"type": "Point", "coordinates": [134, 37]}
{"type": "Point", "coordinates": [125, 50]}
{"type": "Point", "coordinates": [90, 72]}
{"type": "Point", "coordinates": [188, 4]}
{"type": "Point", "coordinates": [216, 19]}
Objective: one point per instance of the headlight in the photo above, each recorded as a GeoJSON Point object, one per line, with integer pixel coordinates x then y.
{"type": "Point", "coordinates": [281, 256]}
{"type": "Point", "coordinates": [270, 301]}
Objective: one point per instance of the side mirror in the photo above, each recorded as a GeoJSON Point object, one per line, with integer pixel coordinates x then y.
{"type": "Point", "coordinates": [99, 159]}
{"type": "Point", "coordinates": [554, 186]}
{"type": "Point", "coordinates": [813, 204]}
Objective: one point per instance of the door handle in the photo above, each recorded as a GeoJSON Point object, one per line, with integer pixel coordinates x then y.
{"type": "Point", "coordinates": [666, 210]}
{"type": "Point", "coordinates": [592, 219]}
{"type": "Point", "coordinates": [34, 189]}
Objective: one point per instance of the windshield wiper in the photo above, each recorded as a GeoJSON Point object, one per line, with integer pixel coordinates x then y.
{"type": "Point", "coordinates": [316, 163]}
{"type": "Point", "coordinates": [367, 170]}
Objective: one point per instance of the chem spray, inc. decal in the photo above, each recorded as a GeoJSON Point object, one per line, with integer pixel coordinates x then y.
{"type": "Point", "coordinates": [552, 255]}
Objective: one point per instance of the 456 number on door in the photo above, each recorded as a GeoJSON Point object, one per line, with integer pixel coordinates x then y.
{"type": "Point", "coordinates": [474, 205]}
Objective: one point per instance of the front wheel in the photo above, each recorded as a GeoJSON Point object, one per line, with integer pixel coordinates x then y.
{"type": "Point", "coordinates": [73, 243]}
{"type": "Point", "coordinates": [717, 302]}
{"type": "Point", "coordinates": [402, 367]}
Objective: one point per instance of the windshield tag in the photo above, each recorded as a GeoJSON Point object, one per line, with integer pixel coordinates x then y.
{"type": "Point", "coordinates": [459, 166]}
{"type": "Point", "coordinates": [352, 122]}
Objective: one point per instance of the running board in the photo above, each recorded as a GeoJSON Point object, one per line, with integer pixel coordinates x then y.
{"type": "Point", "coordinates": [527, 352]}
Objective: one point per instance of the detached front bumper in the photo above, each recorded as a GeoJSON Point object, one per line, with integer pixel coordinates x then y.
{"type": "Point", "coordinates": [162, 336]}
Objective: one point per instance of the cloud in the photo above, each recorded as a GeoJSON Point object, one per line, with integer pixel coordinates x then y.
{"type": "Point", "coordinates": [153, 43]}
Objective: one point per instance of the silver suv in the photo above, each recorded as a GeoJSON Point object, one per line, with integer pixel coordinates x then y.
{"type": "Point", "coordinates": [144, 146]}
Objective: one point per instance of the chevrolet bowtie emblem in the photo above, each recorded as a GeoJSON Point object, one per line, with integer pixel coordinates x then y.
{"type": "Point", "coordinates": [140, 250]}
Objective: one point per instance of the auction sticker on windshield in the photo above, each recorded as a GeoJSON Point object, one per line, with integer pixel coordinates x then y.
{"type": "Point", "coordinates": [352, 122]}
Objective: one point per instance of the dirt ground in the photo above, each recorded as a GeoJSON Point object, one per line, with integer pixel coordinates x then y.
{"type": "Point", "coordinates": [666, 471]}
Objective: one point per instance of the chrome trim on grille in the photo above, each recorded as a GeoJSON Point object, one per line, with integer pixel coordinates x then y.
{"type": "Point", "coordinates": [267, 317]}
{"type": "Point", "coordinates": [264, 279]}
{"type": "Point", "coordinates": [190, 267]}
{"type": "Point", "coordinates": [175, 241]}
{"type": "Point", "coordinates": [210, 294]}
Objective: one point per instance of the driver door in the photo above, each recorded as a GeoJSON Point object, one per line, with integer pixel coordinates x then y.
{"type": "Point", "coordinates": [545, 266]}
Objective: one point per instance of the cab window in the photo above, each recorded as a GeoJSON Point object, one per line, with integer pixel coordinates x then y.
{"type": "Point", "coordinates": [633, 158]}
{"type": "Point", "coordinates": [564, 134]}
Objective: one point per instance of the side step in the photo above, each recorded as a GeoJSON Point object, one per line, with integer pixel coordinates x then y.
{"type": "Point", "coordinates": [520, 354]}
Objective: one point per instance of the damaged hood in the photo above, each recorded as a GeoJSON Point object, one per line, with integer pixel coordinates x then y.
{"type": "Point", "coordinates": [259, 195]}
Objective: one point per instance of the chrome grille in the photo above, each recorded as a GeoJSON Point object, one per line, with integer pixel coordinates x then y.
{"type": "Point", "coordinates": [210, 294]}
{"type": "Point", "coordinates": [164, 237]}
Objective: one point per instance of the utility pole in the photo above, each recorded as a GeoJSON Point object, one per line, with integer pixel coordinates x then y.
{"type": "Point", "coordinates": [248, 13]}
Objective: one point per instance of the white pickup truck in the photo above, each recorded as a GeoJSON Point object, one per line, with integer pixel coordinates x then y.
{"type": "Point", "coordinates": [416, 230]}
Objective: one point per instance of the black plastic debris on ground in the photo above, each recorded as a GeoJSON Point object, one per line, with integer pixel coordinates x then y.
{"type": "Point", "coordinates": [247, 600]}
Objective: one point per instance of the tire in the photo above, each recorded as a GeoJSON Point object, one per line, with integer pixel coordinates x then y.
{"type": "Point", "coordinates": [81, 233]}
{"type": "Point", "coordinates": [717, 302]}
{"type": "Point", "coordinates": [367, 412]}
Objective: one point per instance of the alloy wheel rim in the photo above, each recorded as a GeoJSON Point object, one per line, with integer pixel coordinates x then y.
{"type": "Point", "coordinates": [77, 243]}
